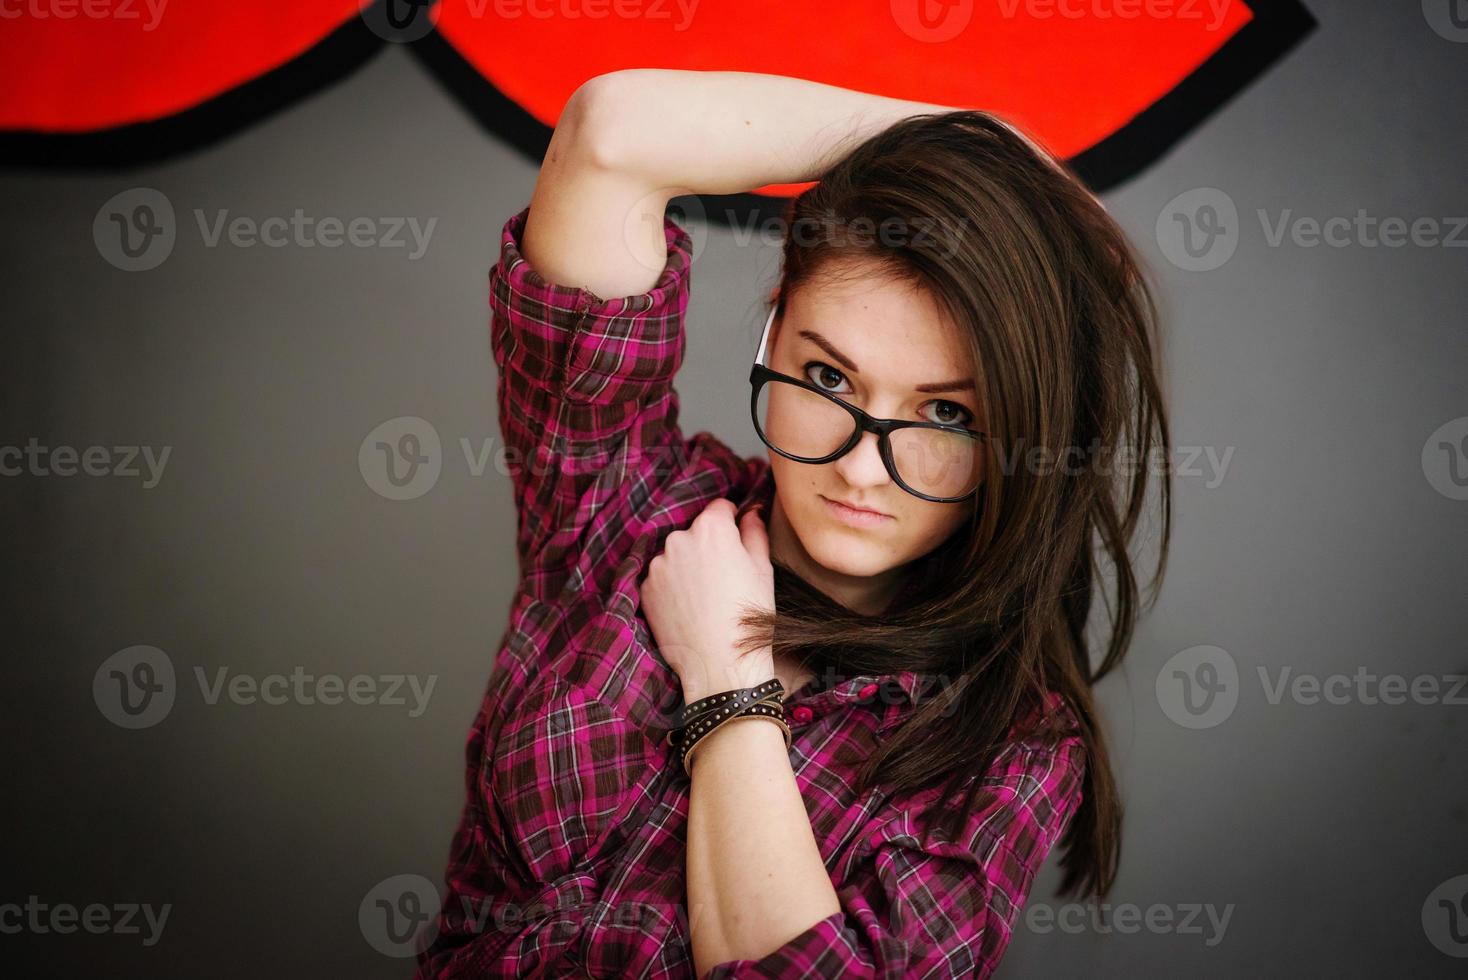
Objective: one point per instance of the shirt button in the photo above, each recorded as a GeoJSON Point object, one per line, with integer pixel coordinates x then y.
{"type": "Point", "coordinates": [867, 691]}
{"type": "Point", "coordinates": [801, 714]}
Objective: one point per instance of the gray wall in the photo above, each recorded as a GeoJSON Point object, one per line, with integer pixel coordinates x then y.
{"type": "Point", "coordinates": [1332, 540]}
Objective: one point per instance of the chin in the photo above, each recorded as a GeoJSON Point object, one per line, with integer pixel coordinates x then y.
{"type": "Point", "coordinates": [852, 553]}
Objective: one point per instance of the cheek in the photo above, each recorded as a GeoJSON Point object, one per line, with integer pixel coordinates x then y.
{"type": "Point", "coordinates": [920, 527]}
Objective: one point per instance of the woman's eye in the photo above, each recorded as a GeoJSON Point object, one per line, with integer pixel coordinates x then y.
{"type": "Point", "coordinates": [822, 375]}
{"type": "Point", "coordinates": [949, 413]}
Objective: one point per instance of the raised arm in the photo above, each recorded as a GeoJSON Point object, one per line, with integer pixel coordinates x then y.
{"type": "Point", "coordinates": [591, 286]}
{"type": "Point", "coordinates": [630, 140]}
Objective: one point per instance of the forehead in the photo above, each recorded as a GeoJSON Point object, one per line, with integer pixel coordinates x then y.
{"type": "Point", "coordinates": [895, 332]}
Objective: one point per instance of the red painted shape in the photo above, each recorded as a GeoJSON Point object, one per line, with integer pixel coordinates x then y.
{"type": "Point", "coordinates": [1069, 81]}
{"type": "Point", "coordinates": [62, 70]}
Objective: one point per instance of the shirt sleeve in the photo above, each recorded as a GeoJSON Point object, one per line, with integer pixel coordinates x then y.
{"type": "Point", "coordinates": [944, 910]}
{"type": "Point", "coordinates": [585, 395]}
{"type": "Point", "coordinates": [521, 894]}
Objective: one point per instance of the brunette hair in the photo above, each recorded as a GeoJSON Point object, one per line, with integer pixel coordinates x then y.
{"type": "Point", "coordinates": [1063, 329]}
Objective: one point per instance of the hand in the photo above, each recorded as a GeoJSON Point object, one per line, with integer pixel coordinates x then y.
{"type": "Point", "coordinates": [695, 592]}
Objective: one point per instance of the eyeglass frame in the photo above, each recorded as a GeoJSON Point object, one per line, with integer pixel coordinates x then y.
{"type": "Point", "coordinates": [760, 375]}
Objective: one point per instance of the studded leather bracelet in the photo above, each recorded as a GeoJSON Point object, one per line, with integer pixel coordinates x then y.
{"type": "Point", "coordinates": [710, 714]}
{"type": "Point", "coordinates": [753, 711]}
{"type": "Point", "coordinates": [694, 709]}
{"type": "Point", "coordinates": [676, 736]}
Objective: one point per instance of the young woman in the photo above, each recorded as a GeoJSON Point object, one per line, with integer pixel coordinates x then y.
{"type": "Point", "coordinates": [960, 342]}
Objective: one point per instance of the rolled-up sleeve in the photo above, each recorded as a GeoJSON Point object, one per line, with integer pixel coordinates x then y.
{"type": "Point", "coordinates": [945, 909]}
{"type": "Point", "coordinates": [585, 394]}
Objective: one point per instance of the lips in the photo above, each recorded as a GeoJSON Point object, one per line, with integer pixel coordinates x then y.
{"type": "Point", "coordinates": [852, 516]}
{"type": "Point", "coordinates": [62, 76]}
{"type": "Point", "coordinates": [863, 510]}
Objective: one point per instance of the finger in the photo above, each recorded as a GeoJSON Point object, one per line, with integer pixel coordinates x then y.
{"type": "Point", "coordinates": [756, 539]}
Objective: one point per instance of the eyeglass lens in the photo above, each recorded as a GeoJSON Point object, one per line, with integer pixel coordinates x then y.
{"type": "Point", "coordinates": [804, 424]}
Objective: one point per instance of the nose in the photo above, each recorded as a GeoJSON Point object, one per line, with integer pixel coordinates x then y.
{"type": "Point", "coordinates": [863, 467]}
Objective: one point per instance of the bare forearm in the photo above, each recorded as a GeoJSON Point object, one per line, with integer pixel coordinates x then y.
{"type": "Point", "coordinates": [722, 132]}
{"type": "Point", "coordinates": [755, 875]}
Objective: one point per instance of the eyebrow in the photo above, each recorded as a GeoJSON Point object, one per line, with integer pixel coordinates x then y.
{"type": "Point", "coordinates": [959, 384]}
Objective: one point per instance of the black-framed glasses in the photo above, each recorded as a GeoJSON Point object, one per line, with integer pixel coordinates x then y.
{"type": "Point", "coordinates": [937, 462]}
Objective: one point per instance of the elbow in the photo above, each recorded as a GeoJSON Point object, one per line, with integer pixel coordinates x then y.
{"type": "Point", "coordinates": [599, 123]}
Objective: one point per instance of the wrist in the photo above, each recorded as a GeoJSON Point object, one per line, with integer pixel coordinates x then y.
{"type": "Point", "coordinates": [706, 681]}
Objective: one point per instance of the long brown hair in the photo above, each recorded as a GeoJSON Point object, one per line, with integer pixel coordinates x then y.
{"type": "Point", "coordinates": [1063, 329]}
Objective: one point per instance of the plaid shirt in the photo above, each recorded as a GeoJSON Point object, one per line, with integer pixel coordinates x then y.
{"type": "Point", "coordinates": [569, 858]}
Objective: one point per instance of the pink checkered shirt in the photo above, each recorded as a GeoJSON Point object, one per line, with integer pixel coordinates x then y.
{"type": "Point", "coordinates": [569, 857]}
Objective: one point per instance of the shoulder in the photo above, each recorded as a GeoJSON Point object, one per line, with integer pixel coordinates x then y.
{"type": "Point", "coordinates": [1023, 799]}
